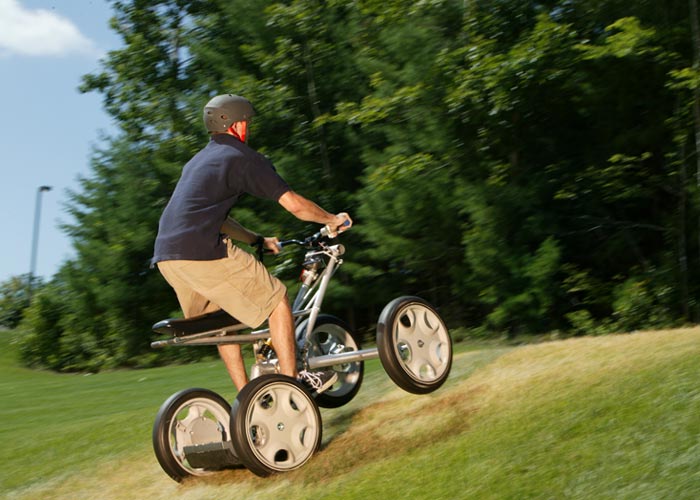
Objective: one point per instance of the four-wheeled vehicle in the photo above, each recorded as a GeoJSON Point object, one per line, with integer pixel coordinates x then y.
{"type": "Point", "coordinates": [274, 424]}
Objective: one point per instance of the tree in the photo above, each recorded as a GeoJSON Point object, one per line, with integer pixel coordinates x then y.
{"type": "Point", "coordinates": [15, 297]}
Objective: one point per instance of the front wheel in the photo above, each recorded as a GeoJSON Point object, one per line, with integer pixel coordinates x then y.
{"type": "Point", "coordinates": [331, 335]}
{"type": "Point", "coordinates": [414, 345]}
{"type": "Point", "coordinates": [275, 425]}
{"type": "Point", "coordinates": [190, 434]}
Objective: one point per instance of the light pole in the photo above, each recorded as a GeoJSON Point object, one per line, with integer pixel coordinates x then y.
{"type": "Point", "coordinates": [35, 238]}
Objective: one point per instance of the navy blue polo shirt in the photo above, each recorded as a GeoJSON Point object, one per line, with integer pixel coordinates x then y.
{"type": "Point", "coordinates": [210, 184]}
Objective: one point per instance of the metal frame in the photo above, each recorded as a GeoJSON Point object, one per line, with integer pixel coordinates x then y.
{"type": "Point", "coordinates": [307, 303]}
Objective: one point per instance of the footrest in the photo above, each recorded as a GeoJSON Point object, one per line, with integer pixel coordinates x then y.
{"type": "Point", "coordinates": [179, 327]}
{"type": "Point", "coordinates": [211, 456]}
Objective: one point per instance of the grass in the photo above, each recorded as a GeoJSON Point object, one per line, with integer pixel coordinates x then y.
{"type": "Point", "coordinates": [602, 417]}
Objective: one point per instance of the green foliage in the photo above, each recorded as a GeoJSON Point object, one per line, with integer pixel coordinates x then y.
{"type": "Point", "coordinates": [39, 346]}
{"type": "Point", "coordinates": [410, 228]}
{"type": "Point", "coordinates": [526, 166]}
{"type": "Point", "coordinates": [15, 296]}
{"type": "Point", "coordinates": [638, 304]}
{"type": "Point", "coordinates": [625, 38]}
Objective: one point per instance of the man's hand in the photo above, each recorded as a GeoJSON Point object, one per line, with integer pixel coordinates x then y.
{"type": "Point", "coordinates": [272, 244]}
{"type": "Point", "coordinates": [342, 223]}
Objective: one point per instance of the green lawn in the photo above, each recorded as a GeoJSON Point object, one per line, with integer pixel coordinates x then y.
{"type": "Point", "coordinates": [600, 417]}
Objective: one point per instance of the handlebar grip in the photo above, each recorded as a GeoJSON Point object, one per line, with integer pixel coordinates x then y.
{"type": "Point", "coordinates": [327, 231]}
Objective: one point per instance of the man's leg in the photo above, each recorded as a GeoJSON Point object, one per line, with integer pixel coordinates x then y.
{"type": "Point", "coordinates": [230, 354]}
{"type": "Point", "coordinates": [282, 334]}
{"type": "Point", "coordinates": [233, 359]}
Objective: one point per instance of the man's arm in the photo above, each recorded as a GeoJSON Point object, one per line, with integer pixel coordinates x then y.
{"type": "Point", "coordinates": [234, 230]}
{"type": "Point", "coordinates": [307, 210]}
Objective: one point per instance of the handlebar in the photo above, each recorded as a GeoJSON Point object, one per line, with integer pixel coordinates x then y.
{"type": "Point", "coordinates": [324, 232]}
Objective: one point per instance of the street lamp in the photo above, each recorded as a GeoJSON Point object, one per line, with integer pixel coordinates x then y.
{"type": "Point", "coordinates": [35, 239]}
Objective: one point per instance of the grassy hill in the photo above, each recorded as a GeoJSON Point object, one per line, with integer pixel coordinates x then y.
{"type": "Point", "coordinates": [591, 418]}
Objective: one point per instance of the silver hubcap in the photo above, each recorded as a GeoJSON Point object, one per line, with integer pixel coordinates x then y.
{"type": "Point", "coordinates": [422, 343]}
{"type": "Point", "coordinates": [282, 426]}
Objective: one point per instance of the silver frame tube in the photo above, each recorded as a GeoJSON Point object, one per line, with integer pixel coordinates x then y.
{"type": "Point", "coordinates": [342, 358]}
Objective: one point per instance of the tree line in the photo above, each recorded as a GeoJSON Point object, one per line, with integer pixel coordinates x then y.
{"type": "Point", "coordinates": [527, 166]}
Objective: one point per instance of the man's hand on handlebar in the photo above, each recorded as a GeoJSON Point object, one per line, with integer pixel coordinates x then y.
{"type": "Point", "coordinates": [272, 244]}
{"type": "Point", "coordinates": [342, 223]}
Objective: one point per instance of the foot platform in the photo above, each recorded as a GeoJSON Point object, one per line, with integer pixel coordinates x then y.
{"type": "Point", "coordinates": [212, 456]}
{"type": "Point", "coordinates": [214, 328]}
{"type": "Point", "coordinates": [180, 327]}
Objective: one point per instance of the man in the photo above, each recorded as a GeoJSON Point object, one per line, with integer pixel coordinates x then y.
{"type": "Point", "coordinates": [191, 250]}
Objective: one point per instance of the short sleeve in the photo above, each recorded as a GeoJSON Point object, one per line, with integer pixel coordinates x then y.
{"type": "Point", "coordinates": [262, 180]}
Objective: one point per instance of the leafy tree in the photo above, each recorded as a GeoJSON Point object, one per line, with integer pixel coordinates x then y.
{"type": "Point", "coordinates": [41, 324]}
{"type": "Point", "coordinates": [15, 296]}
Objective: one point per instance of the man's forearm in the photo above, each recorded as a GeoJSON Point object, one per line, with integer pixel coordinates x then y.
{"type": "Point", "coordinates": [305, 209]}
{"type": "Point", "coordinates": [233, 229]}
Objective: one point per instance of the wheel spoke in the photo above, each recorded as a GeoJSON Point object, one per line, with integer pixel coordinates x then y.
{"type": "Point", "coordinates": [294, 405]}
{"type": "Point", "coordinates": [407, 330]}
{"type": "Point", "coordinates": [268, 449]}
{"type": "Point", "coordinates": [414, 366]}
{"type": "Point", "coordinates": [180, 427]}
{"type": "Point", "coordinates": [437, 351]}
{"type": "Point", "coordinates": [407, 335]}
{"type": "Point", "coordinates": [266, 408]}
{"type": "Point", "coordinates": [430, 323]}
{"type": "Point", "coordinates": [299, 446]}
{"type": "Point", "coordinates": [420, 366]}
{"type": "Point", "coordinates": [198, 410]}
{"type": "Point", "coordinates": [193, 413]}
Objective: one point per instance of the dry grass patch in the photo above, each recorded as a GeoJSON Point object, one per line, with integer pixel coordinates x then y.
{"type": "Point", "coordinates": [528, 373]}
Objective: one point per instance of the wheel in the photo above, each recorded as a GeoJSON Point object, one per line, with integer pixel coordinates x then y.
{"type": "Point", "coordinates": [414, 345]}
{"type": "Point", "coordinates": [190, 434]}
{"type": "Point", "coordinates": [332, 336]}
{"type": "Point", "coordinates": [275, 425]}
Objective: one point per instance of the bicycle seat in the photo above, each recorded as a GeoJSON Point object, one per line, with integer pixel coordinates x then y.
{"type": "Point", "coordinates": [179, 327]}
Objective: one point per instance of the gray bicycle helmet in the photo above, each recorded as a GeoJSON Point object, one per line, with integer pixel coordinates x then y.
{"type": "Point", "coordinates": [224, 110]}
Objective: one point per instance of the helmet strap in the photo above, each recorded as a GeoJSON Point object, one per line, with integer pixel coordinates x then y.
{"type": "Point", "coordinates": [239, 130]}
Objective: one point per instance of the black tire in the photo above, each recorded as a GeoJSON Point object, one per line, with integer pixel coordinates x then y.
{"type": "Point", "coordinates": [414, 345]}
{"type": "Point", "coordinates": [189, 418]}
{"type": "Point", "coordinates": [332, 335]}
{"type": "Point", "coordinates": [275, 425]}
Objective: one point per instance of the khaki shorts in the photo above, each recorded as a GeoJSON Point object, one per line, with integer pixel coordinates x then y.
{"type": "Point", "coordinates": [239, 284]}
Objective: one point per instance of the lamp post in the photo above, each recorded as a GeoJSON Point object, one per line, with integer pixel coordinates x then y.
{"type": "Point", "coordinates": [35, 238]}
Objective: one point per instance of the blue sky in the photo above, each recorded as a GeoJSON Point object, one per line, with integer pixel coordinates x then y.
{"type": "Point", "coordinates": [48, 128]}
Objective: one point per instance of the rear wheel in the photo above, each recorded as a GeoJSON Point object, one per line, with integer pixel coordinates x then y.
{"type": "Point", "coordinates": [331, 335]}
{"type": "Point", "coordinates": [275, 425]}
{"type": "Point", "coordinates": [414, 345]}
{"type": "Point", "coordinates": [191, 422]}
